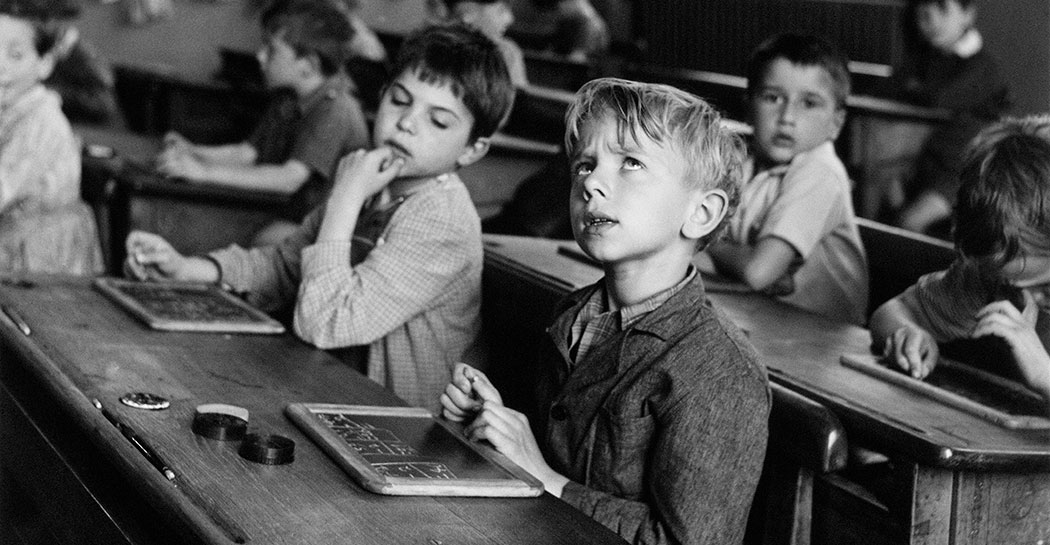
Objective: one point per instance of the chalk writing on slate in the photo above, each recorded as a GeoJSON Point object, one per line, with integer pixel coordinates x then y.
{"type": "Point", "coordinates": [408, 451]}
{"type": "Point", "coordinates": [180, 306]}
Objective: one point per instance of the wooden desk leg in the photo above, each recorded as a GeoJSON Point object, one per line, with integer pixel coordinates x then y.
{"type": "Point", "coordinates": [1002, 508]}
{"type": "Point", "coordinates": [931, 506]}
{"type": "Point", "coordinates": [789, 508]}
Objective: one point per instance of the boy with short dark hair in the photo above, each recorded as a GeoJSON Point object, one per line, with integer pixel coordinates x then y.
{"type": "Point", "coordinates": [999, 286]}
{"type": "Point", "coordinates": [655, 407]}
{"type": "Point", "coordinates": [794, 236]}
{"type": "Point", "coordinates": [301, 136]}
{"type": "Point", "coordinates": [392, 262]}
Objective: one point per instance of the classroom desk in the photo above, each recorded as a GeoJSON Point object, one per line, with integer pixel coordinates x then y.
{"type": "Point", "coordinates": [198, 217]}
{"type": "Point", "coordinates": [971, 481]}
{"type": "Point", "coordinates": [194, 217]}
{"type": "Point", "coordinates": [91, 486]}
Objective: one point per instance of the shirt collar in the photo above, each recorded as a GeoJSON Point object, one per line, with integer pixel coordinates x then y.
{"type": "Point", "coordinates": [629, 315]}
{"type": "Point", "coordinates": [824, 149]}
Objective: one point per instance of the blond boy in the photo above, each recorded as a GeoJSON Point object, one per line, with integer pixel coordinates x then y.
{"type": "Point", "coordinates": [655, 406]}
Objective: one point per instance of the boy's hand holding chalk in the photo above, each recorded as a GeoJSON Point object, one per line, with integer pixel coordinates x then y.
{"type": "Point", "coordinates": [467, 394]}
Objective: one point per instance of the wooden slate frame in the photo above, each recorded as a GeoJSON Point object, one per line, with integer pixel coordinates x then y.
{"type": "Point", "coordinates": [255, 321]}
{"type": "Point", "coordinates": [503, 478]}
{"type": "Point", "coordinates": [868, 364]}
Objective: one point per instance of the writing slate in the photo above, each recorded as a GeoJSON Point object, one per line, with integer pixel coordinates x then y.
{"type": "Point", "coordinates": [407, 451]}
{"type": "Point", "coordinates": [966, 388]}
{"type": "Point", "coordinates": [181, 306]}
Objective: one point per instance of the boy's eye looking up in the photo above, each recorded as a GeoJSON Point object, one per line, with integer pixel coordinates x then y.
{"type": "Point", "coordinates": [630, 163]}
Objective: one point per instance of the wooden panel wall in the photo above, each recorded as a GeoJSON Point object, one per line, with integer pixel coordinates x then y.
{"type": "Point", "coordinates": [718, 35]}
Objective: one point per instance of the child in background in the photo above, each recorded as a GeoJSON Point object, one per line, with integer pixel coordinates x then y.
{"type": "Point", "coordinates": [393, 260]}
{"type": "Point", "coordinates": [298, 142]}
{"type": "Point", "coordinates": [999, 286]}
{"type": "Point", "coordinates": [655, 407]}
{"type": "Point", "coordinates": [365, 44]}
{"type": "Point", "coordinates": [794, 235]}
{"type": "Point", "coordinates": [85, 82]}
{"type": "Point", "coordinates": [44, 225]}
{"type": "Point", "coordinates": [946, 67]}
{"type": "Point", "coordinates": [492, 17]}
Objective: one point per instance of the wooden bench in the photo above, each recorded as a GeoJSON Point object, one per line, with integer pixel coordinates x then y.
{"type": "Point", "coordinates": [806, 441]}
{"type": "Point", "coordinates": [154, 101]}
{"type": "Point", "coordinates": [553, 70]}
{"type": "Point", "coordinates": [897, 258]}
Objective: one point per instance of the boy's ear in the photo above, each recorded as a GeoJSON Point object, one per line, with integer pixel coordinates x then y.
{"type": "Point", "coordinates": [838, 121]}
{"type": "Point", "coordinates": [707, 211]}
{"type": "Point", "coordinates": [45, 66]}
{"type": "Point", "coordinates": [474, 151]}
{"type": "Point", "coordinates": [309, 64]}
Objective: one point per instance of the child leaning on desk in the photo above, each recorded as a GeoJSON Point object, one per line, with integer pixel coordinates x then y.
{"type": "Point", "coordinates": [656, 406]}
{"type": "Point", "coordinates": [298, 142]}
{"type": "Point", "coordinates": [407, 283]}
{"type": "Point", "coordinates": [794, 235]}
{"type": "Point", "coordinates": [44, 225]}
{"type": "Point", "coordinates": [999, 285]}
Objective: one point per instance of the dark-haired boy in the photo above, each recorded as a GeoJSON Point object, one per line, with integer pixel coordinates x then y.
{"type": "Point", "coordinates": [794, 235]}
{"type": "Point", "coordinates": [392, 261]}
{"type": "Point", "coordinates": [303, 133]}
{"type": "Point", "coordinates": [999, 286]}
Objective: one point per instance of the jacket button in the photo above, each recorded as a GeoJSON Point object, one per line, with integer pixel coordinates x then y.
{"type": "Point", "coordinates": [559, 412]}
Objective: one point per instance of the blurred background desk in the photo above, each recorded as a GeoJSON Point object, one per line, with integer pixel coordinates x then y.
{"type": "Point", "coordinates": [194, 217]}
{"type": "Point", "coordinates": [198, 217]}
{"type": "Point", "coordinates": [71, 477]}
{"type": "Point", "coordinates": [963, 480]}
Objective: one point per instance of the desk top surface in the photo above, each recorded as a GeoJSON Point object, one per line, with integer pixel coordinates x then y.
{"type": "Point", "coordinates": [131, 156]}
{"type": "Point", "coordinates": [82, 347]}
{"type": "Point", "coordinates": [802, 351]}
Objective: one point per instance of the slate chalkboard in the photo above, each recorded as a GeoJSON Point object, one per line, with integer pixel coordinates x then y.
{"type": "Point", "coordinates": [977, 392]}
{"type": "Point", "coordinates": [407, 451]}
{"type": "Point", "coordinates": [177, 306]}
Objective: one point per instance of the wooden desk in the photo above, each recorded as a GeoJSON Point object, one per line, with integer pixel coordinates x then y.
{"type": "Point", "coordinates": [194, 217]}
{"type": "Point", "coordinates": [970, 481]}
{"type": "Point", "coordinates": [91, 486]}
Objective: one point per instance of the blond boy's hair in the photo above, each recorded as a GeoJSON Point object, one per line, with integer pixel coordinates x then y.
{"type": "Point", "coordinates": [714, 155]}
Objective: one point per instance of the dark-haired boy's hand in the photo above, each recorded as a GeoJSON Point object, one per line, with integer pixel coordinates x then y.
{"type": "Point", "coordinates": [362, 174]}
{"type": "Point", "coordinates": [1018, 328]}
{"type": "Point", "coordinates": [913, 349]}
